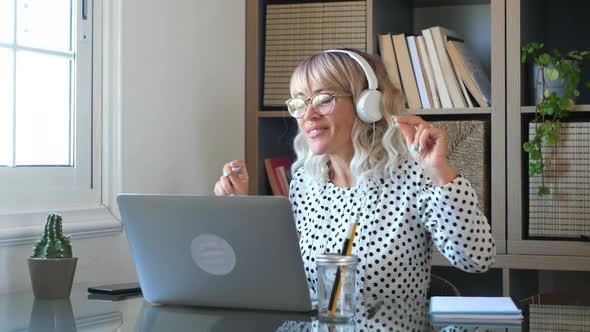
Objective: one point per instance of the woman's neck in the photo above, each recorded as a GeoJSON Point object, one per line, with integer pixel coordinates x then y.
{"type": "Point", "coordinates": [340, 173]}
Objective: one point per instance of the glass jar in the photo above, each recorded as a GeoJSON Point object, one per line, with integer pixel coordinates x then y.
{"type": "Point", "coordinates": [336, 286]}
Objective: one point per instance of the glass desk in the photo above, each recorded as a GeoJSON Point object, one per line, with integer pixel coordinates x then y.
{"type": "Point", "coordinates": [20, 311]}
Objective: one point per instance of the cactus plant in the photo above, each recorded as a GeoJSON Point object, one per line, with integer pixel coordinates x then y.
{"type": "Point", "coordinates": [53, 244]}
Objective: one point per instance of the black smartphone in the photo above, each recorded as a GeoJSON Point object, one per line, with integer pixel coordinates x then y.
{"type": "Point", "coordinates": [114, 297]}
{"type": "Point", "coordinates": [116, 289]}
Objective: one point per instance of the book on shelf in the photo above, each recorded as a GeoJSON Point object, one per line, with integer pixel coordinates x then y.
{"type": "Point", "coordinates": [474, 310]}
{"type": "Point", "coordinates": [278, 171]}
{"type": "Point", "coordinates": [435, 70]}
{"type": "Point", "coordinates": [422, 90]}
{"type": "Point", "coordinates": [427, 71]}
{"type": "Point", "coordinates": [462, 86]}
{"type": "Point", "coordinates": [410, 87]}
{"type": "Point", "coordinates": [284, 178]}
{"type": "Point", "coordinates": [388, 57]}
{"type": "Point", "coordinates": [470, 72]}
{"type": "Point", "coordinates": [439, 78]}
{"type": "Point", "coordinates": [440, 36]}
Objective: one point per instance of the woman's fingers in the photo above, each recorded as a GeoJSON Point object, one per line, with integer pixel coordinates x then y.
{"type": "Point", "coordinates": [416, 146]}
{"type": "Point", "coordinates": [218, 190]}
{"type": "Point", "coordinates": [412, 120]}
{"type": "Point", "coordinates": [226, 185]}
{"type": "Point", "coordinates": [408, 132]}
{"type": "Point", "coordinates": [409, 125]}
{"type": "Point", "coordinates": [235, 169]}
{"type": "Point", "coordinates": [235, 174]}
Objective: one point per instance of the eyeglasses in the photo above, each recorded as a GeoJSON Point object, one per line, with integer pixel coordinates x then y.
{"type": "Point", "coordinates": [322, 104]}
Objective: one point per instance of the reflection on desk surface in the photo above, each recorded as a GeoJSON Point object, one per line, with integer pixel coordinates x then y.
{"type": "Point", "coordinates": [377, 315]}
{"type": "Point", "coordinates": [22, 312]}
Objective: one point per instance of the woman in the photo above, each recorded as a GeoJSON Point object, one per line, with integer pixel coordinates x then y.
{"type": "Point", "coordinates": [388, 173]}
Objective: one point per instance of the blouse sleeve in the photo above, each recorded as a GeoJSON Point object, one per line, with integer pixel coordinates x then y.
{"type": "Point", "coordinates": [458, 228]}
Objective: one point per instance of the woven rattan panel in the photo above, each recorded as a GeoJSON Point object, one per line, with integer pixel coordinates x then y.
{"type": "Point", "coordinates": [558, 318]}
{"type": "Point", "coordinates": [468, 154]}
{"type": "Point", "coordinates": [296, 31]}
{"type": "Point", "coordinates": [566, 211]}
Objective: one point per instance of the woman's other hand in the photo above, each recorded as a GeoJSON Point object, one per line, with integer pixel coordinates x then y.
{"type": "Point", "coordinates": [429, 147]}
{"type": "Point", "coordinates": [234, 180]}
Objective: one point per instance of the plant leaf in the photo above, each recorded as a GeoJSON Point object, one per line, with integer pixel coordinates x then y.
{"type": "Point", "coordinates": [547, 93]}
{"type": "Point", "coordinates": [527, 146]}
{"type": "Point", "coordinates": [552, 74]}
{"type": "Point", "coordinates": [575, 55]}
{"type": "Point", "coordinates": [531, 171]}
{"type": "Point", "coordinates": [545, 59]}
{"type": "Point", "coordinates": [552, 137]}
{"type": "Point", "coordinates": [544, 191]}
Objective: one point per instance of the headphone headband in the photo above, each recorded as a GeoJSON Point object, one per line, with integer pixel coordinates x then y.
{"type": "Point", "coordinates": [368, 102]}
{"type": "Point", "coordinates": [365, 66]}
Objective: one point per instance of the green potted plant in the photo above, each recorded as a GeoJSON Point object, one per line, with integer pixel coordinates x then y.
{"type": "Point", "coordinates": [52, 267]}
{"type": "Point", "coordinates": [558, 78]}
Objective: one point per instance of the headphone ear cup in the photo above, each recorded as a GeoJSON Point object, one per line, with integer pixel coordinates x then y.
{"type": "Point", "coordinates": [368, 106]}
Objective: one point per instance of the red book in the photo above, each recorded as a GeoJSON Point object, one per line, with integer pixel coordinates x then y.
{"type": "Point", "coordinates": [278, 185]}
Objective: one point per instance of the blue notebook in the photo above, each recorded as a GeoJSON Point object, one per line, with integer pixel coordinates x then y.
{"type": "Point", "coordinates": [462, 309]}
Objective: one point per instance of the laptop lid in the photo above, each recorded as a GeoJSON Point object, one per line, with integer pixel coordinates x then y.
{"type": "Point", "coordinates": [237, 252]}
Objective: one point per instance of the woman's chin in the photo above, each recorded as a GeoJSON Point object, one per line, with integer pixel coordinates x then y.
{"type": "Point", "coordinates": [317, 150]}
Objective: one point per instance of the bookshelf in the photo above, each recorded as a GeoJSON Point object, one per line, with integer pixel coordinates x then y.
{"type": "Point", "coordinates": [492, 28]}
{"type": "Point", "coordinates": [555, 24]}
{"type": "Point", "coordinates": [481, 23]}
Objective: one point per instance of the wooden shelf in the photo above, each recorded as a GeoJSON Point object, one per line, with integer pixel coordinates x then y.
{"type": "Point", "coordinates": [529, 262]}
{"type": "Point", "coordinates": [273, 114]}
{"type": "Point", "coordinates": [448, 111]}
{"type": "Point", "coordinates": [531, 109]}
{"type": "Point", "coordinates": [437, 111]}
{"type": "Point", "coordinates": [439, 3]}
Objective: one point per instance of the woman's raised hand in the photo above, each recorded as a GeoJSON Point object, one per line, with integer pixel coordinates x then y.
{"type": "Point", "coordinates": [428, 146]}
{"type": "Point", "coordinates": [234, 180]}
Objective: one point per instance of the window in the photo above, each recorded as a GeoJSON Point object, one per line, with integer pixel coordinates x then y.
{"type": "Point", "coordinates": [48, 157]}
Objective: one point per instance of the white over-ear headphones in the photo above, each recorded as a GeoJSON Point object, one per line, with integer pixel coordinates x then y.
{"type": "Point", "coordinates": [369, 101]}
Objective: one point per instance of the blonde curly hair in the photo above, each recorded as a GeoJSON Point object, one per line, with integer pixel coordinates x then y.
{"type": "Point", "coordinates": [338, 71]}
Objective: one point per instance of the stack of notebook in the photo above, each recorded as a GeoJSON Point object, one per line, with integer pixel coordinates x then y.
{"type": "Point", "coordinates": [479, 311]}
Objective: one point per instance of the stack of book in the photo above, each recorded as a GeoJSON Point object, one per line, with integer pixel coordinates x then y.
{"type": "Point", "coordinates": [278, 170]}
{"type": "Point", "coordinates": [435, 70]}
{"type": "Point", "coordinates": [475, 311]}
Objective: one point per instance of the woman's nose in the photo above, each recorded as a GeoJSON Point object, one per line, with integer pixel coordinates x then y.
{"type": "Point", "coordinates": [310, 113]}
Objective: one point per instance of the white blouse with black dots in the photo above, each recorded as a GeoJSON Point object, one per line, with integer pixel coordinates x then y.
{"type": "Point", "coordinates": [400, 217]}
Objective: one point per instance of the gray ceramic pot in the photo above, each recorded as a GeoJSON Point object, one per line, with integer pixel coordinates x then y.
{"type": "Point", "coordinates": [52, 278]}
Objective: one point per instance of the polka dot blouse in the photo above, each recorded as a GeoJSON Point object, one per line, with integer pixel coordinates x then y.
{"type": "Point", "coordinates": [400, 217]}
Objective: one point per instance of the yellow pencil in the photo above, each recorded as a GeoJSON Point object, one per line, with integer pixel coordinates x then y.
{"type": "Point", "coordinates": [340, 276]}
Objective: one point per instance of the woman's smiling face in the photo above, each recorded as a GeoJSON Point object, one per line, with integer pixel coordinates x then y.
{"type": "Point", "coordinates": [330, 133]}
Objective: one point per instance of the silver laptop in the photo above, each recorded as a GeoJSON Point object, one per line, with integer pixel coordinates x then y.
{"type": "Point", "coordinates": [232, 252]}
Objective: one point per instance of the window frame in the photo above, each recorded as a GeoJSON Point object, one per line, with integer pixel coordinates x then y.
{"type": "Point", "coordinates": [68, 186]}
{"type": "Point", "coordinates": [96, 214]}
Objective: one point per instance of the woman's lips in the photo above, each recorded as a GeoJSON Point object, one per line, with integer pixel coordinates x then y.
{"type": "Point", "coordinates": [316, 132]}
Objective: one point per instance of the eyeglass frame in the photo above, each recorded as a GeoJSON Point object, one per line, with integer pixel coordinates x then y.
{"type": "Point", "coordinates": [307, 103]}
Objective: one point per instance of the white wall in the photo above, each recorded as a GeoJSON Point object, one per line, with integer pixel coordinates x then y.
{"type": "Point", "coordinates": [182, 116]}
{"type": "Point", "coordinates": [184, 93]}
